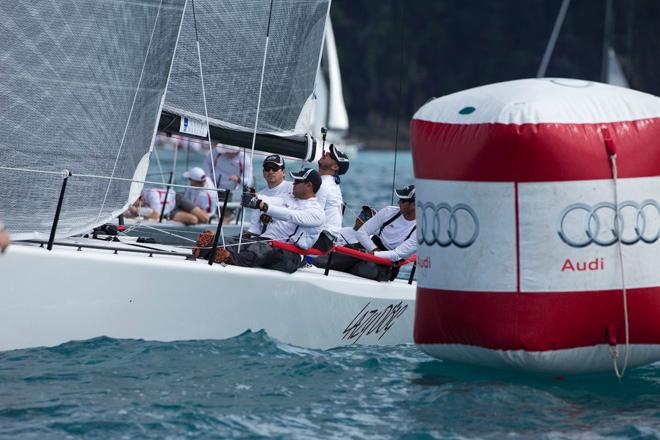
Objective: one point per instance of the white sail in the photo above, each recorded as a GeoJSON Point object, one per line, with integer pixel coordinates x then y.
{"type": "Point", "coordinates": [232, 35]}
{"type": "Point", "coordinates": [330, 109]}
{"type": "Point", "coordinates": [615, 74]}
{"type": "Point", "coordinates": [337, 114]}
{"type": "Point", "coordinates": [81, 87]}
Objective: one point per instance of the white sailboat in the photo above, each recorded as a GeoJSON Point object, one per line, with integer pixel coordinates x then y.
{"type": "Point", "coordinates": [84, 91]}
{"type": "Point", "coordinates": [330, 112]}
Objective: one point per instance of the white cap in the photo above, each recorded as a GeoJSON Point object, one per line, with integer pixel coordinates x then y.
{"type": "Point", "coordinates": [226, 149]}
{"type": "Point", "coordinates": [195, 173]}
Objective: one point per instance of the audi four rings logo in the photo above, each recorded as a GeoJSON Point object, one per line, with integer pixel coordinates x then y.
{"type": "Point", "coordinates": [445, 225]}
{"type": "Point", "coordinates": [599, 223]}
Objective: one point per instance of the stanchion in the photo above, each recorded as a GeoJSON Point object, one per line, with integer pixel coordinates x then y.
{"type": "Point", "coordinates": [65, 178]}
{"type": "Point", "coordinates": [219, 228]}
{"type": "Point", "coordinates": [167, 192]}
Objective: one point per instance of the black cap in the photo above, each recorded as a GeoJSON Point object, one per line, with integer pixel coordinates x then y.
{"type": "Point", "coordinates": [341, 159]}
{"type": "Point", "coordinates": [407, 193]}
{"type": "Point", "coordinates": [275, 159]}
{"type": "Point", "coordinates": [308, 175]}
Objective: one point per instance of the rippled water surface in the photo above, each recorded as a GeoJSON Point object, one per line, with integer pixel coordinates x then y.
{"type": "Point", "coordinates": [252, 386]}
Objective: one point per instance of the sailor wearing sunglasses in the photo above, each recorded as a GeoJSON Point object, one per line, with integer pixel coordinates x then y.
{"type": "Point", "coordinates": [332, 164]}
{"type": "Point", "coordinates": [297, 219]}
{"type": "Point", "coordinates": [277, 186]}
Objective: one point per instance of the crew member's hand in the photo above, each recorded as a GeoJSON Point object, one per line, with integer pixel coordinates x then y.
{"type": "Point", "coordinates": [250, 201]}
{"type": "Point", "coordinates": [4, 241]}
{"type": "Point", "coordinates": [235, 179]}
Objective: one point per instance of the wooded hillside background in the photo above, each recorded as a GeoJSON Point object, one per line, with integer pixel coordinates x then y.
{"type": "Point", "coordinates": [435, 47]}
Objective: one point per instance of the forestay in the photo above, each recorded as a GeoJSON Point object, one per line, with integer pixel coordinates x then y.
{"type": "Point", "coordinates": [81, 87]}
{"type": "Point", "coordinates": [232, 36]}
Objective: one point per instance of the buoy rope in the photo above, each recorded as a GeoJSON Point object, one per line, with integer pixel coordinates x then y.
{"type": "Point", "coordinates": [614, 350]}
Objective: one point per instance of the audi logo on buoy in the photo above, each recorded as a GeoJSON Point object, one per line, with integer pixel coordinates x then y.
{"type": "Point", "coordinates": [596, 220]}
{"type": "Point", "coordinates": [444, 224]}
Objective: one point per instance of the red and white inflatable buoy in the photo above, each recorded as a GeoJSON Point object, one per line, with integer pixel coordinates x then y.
{"type": "Point", "coordinates": [519, 259]}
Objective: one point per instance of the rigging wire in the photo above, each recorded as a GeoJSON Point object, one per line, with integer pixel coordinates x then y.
{"type": "Point", "coordinates": [398, 103]}
{"type": "Point", "coordinates": [206, 114]}
{"type": "Point", "coordinates": [549, 49]}
{"type": "Point", "coordinates": [130, 113]}
{"type": "Point", "coordinates": [256, 119]}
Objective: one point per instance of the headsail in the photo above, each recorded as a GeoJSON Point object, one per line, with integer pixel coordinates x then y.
{"type": "Point", "coordinates": [81, 87]}
{"type": "Point", "coordinates": [231, 37]}
{"type": "Point", "coordinates": [330, 110]}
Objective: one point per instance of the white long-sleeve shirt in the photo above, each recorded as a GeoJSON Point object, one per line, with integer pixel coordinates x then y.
{"type": "Point", "coordinates": [398, 237]}
{"type": "Point", "coordinates": [295, 221]}
{"type": "Point", "coordinates": [154, 198]}
{"type": "Point", "coordinates": [207, 198]}
{"type": "Point", "coordinates": [330, 198]}
{"type": "Point", "coordinates": [282, 190]}
{"type": "Point", "coordinates": [226, 166]}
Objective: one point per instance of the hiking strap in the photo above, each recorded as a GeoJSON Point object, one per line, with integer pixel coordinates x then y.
{"type": "Point", "coordinates": [389, 221]}
{"type": "Point", "coordinates": [411, 232]}
{"type": "Point", "coordinates": [294, 233]}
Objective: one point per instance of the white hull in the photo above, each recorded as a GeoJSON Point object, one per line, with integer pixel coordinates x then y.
{"type": "Point", "coordinates": [53, 297]}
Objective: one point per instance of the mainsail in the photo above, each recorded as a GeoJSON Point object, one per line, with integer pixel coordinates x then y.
{"type": "Point", "coordinates": [81, 86]}
{"type": "Point", "coordinates": [231, 35]}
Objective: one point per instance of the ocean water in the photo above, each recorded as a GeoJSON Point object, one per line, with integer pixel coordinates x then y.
{"type": "Point", "coordinates": [252, 386]}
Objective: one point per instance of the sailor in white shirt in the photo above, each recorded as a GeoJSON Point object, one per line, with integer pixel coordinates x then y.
{"type": "Point", "coordinates": [205, 199]}
{"type": "Point", "coordinates": [274, 169]}
{"type": "Point", "coordinates": [297, 220]}
{"type": "Point", "coordinates": [389, 234]}
{"type": "Point", "coordinates": [332, 164]}
{"type": "Point", "coordinates": [154, 198]}
{"type": "Point", "coordinates": [232, 167]}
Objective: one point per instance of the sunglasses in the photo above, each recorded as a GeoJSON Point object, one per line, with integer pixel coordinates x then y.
{"type": "Point", "coordinates": [271, 168]}
{"type": "Point", "coordinates": [296, 182]}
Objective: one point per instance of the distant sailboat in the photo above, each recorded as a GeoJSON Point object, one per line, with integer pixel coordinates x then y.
{"type": "Point", "coordinates": [330, 111]}
{"type": "Point", "coordinates": [615, 74]}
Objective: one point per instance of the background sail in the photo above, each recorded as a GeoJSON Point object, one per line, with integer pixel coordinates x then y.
{"type": "Point", "coordinates": [81, 86]}
{"type": "Point", "coordinates": [232, 34]}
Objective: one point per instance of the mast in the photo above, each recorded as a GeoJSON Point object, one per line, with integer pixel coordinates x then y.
{"type": "Point", "coordinates": [607, 41]}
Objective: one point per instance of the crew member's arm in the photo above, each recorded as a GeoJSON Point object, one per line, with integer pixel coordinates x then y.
{"type": "Point", "coordinates": [303, 217]}
{"type": "Point", "coordinates": [402, 251]}
{"type": "Point", "coordinates": [364, 234]}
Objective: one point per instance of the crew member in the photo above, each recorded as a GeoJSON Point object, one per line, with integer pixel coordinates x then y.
{"type": "Point", "coordinates": [177, 208]}
{"type": "Point", "coordinates": [205, 200]}
{"type": "Point", "coordinates": [389, 234]}
{"type": "Point", "coordinates": [277, 186]}
{"type": "Point", "coordinates": [233, 170]}
{"type": "Point", "coordinates": [347, 234]}
{"type": "Point", "coordinates": [232, 167]}
{"type": "Point", "coordinates": [297, 219]}
{"type": "Point", "coordinates": [332, 164]}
